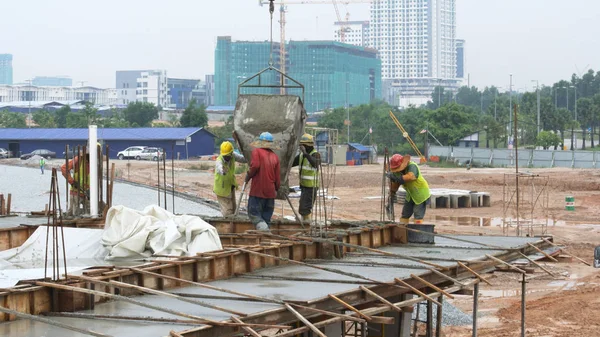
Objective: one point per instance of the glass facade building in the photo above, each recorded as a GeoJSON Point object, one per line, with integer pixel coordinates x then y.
{"type": "Point", "coordinates": [6, 69]}
{"type": "Point", "coordinates": [334, 74]}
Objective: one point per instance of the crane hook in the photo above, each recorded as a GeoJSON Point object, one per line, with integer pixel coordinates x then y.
{"type": "Point", "coordinates": [271, 6]}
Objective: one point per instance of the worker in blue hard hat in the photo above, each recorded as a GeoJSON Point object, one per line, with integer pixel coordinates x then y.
{"type": "Point", "coordinates": [308, 160]}
{"type": "Point", "coordinates": [225, 183]}
{"type": "Point", "coordinates": [264, 173]}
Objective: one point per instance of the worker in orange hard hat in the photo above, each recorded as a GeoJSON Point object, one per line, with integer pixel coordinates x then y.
{"type": "Point", "coordinates": [79, 181]}
{"type": "Point", "coordinates": [405, 172]}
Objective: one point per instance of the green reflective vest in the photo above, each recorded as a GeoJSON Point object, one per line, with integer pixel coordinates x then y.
{"type": "Point", "coordinates": [417, 190]}
{"type": "Point", "coordinates": [309, 176]}
{"type": "Point", "coordinates": [225, 182]}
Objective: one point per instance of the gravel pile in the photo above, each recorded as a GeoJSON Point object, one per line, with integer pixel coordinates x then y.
{"type": "Point", "coordinates": [451, 315]}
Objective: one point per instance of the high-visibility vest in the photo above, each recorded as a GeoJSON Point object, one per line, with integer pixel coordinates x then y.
{"type": "Point", "coordinates": [417, 190]}
{"type": "Point", "coordinates": [225, 182]}
{"type": "Point", "coordinates": [309, 176]}
{"type": "Point", "coordinates": [84, 185]}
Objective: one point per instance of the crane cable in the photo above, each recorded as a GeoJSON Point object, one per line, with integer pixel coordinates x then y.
{"type": "Point", "coordinates": [271, 11]}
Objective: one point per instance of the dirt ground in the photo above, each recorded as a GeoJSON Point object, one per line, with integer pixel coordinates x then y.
{"type": "Point", "coordinates": [567, 305]}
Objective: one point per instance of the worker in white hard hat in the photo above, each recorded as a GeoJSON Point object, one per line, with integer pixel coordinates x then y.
{"type": "Point", "coordinates": [308, 161]}
{"type": "Point", "coordinates": [225, 183]}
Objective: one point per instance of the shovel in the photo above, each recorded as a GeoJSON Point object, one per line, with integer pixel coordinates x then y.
{"type": "Point", "coordinates": [237, 207]}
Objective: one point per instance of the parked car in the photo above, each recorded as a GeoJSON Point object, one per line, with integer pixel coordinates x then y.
{"type": "Point", "coordinates": [4, 153]}
{"type": "Point", "coordinates": [42, 153]}
{"type": "Point", "coordinates": [131, 152]}
{"type": "Point", "coordinates": [151, 153]}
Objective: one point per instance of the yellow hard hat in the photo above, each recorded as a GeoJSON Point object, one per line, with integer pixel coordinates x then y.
{"type": "Point", "coordinates": [307, 139]}
{"type": "Point", "coordinates": [226, 148]}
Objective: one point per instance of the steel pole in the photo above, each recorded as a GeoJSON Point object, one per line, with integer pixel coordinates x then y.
{"type": "Point", "coordinates": [523, 302]}
{"type": "Point", "coordinates": [475, 305]}
{"type": "Point", "coordinates": [510, 107]}
{"type": "Point", "coordinates": [538, 107]}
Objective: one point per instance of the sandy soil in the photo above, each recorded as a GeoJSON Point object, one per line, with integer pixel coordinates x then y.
{"type": "Point", "coordinates": [564, 306]}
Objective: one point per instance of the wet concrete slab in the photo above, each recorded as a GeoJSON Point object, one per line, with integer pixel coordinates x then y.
{"type": "Point", "coordinates": [30, 192]}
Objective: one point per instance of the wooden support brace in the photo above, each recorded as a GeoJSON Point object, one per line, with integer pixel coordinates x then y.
{"type": "Point", "coordinates": [538, 265]}
{"type": "Point", "coordinates": [349, 307]}
{"type": "Point", "coordinates": [474, 273]}
{"type": "Point", "coordinates": [381, 299]}
{"type": "Point", "coordinates": [432, 286]}
{"type": "Point", "coordinates": [506, 264]}
{"type": "Point", "coordinates": [305, 321]}
{"type": "Point", "coordinates": [175, 334]}
{"type": "Point", "coordinates": [442, 275]}
{"type": "Point", "coordinates": [245, 328]}
{"type": "Point", "coordinates": [417, 291]}
{"type": "Point", "coordinates": [548, 256]}
{"type": "Point", "coordinates": [573, 256]}
{"type": "Point", "coordinates": [329, 313]}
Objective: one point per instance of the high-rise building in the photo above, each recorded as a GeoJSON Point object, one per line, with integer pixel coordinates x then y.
{"type": "Point", "coordinates": [52, 81]}
{"type": "Point", "coordinates": [355, 32]}
{"type": "Point", "coordinates": [6, 70]}
{"type": "Point", "coordinates": [333, 74]}
{"type": "Point", "coordinates": [416, 40]}
{"type": "Point", "coordinates": [461, 59]}
{"type": "Point", "coordinates": [209, 81]}
{"type": "Point", "coordinates": [143, 86]}
{"type": "Point", "coordinates": [183, 91]}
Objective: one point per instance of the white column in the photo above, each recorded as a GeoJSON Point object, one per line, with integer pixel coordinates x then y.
{"type": "Point", "coordinates": [93, 150]}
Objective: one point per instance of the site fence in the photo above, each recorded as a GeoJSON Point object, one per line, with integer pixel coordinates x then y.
{"type": "Point", "coordinates": [527, 157]}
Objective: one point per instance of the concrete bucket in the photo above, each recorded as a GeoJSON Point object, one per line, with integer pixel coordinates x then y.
{"type": "Point", "coordinates": [281, 115]}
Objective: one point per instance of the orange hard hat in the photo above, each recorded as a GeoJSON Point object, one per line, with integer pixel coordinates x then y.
{"type": "Point", "coordinates": [396, 163]}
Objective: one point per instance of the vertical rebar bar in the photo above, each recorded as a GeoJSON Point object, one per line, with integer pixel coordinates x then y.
{"type": "Point", "coordinates": [516, 144]}
{"type": "Point", "coordinates": [164, 160]}
{"type": "Point", "coordinates": [67, 180]}
{"type": "Point", "coordinates": [523, 304]}
{"type": "Point", "coordinates": [438, 325]}
{"type": "Point", "coordinates": [475, 306]}
{"type": "Point", "coordinates": [62, 231]}
{"type": "Point", "coordinates": [173, 175]}
{"type": "Point", "coordinates": [107, 173]}
{"type": "Point", "coordinates": [158, 176]}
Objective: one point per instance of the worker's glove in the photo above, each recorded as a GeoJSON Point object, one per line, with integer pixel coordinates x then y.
{"type": "Point", "coordinates": [75, 185]}
{"type": "Point", "coordinates": [395, 178]}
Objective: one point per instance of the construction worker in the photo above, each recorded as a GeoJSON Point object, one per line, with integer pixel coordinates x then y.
{"type": "Point", "coordinates": [225, 183]}
{"type": "Point", "coordinates": [407, 173]}
{"type": "Point", "coordinates": [264, 172]}
{"type": "Point", "coordinates": [42, 164]}
{"type": "Point", "coordinates": [80, 182]}
{"type": "Point", "coordinates": [308, 160]}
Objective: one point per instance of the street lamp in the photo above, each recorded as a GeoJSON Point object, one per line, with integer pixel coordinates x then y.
{"type": "Point", "coordinates": [537, 89]}
{"type": "Point", "coordinates": [510, 108]}
{"type": "Point", "coordinates": [575, 90]}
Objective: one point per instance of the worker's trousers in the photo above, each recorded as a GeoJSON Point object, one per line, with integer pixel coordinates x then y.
{"type": "Point", "coordinates": [227, 204]}
{"type": "Point", "coordinates": [76, 203]}
{"type": "Point", "coordinates": [411, 208]}
{"type": "Point", "coordinates": [260, 209]}
{"type": "Point", "coordinates": [307, 200]}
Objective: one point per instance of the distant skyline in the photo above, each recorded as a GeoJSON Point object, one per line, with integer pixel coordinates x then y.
{"type": "Point", "coordinates": [545, 40]}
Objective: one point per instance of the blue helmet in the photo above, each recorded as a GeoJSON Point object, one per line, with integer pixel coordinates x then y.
{"type": "Point", "coordinates": [266, 136]}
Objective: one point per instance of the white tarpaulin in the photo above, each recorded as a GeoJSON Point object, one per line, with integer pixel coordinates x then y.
{"type": "Point", "coordinates": [132, 234]}
{"type": "Point", "coordinates": [27, 262]}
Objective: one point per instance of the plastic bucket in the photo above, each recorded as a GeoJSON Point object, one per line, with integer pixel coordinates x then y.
{"type": "Point", "coordinates": [570, 203]}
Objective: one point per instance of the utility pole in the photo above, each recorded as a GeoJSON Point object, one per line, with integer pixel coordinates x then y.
{"type": "Point", "coordinates": [510, 107]}
{"type": "Point", "coordinates": [537, 89]}
{"type": "Point", "coordinates": [347, 108]}
{"type": "Point", "coordinates": [575, 89]}
{"type": "Point", "coordinates": [495, 111]}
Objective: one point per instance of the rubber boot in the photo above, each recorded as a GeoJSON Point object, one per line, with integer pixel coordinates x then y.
{"type": "Point", "coordinates": [404, 221]}
{"type": "Point", "coordinates": [262, 226]}
{"type": "Point", "coordinates": [307, 218]}
{"type": "Point", "coordinates": [418, 221]}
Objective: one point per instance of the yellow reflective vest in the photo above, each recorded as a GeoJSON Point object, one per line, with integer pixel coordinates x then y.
{"type": "Point", "coordinates": [309, 176]}
{"type": "Point", "coordinates": [224, 183]}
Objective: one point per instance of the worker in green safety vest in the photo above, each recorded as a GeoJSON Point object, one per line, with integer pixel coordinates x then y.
{"type": "Point", "coordinates": [225, 184]}
{"type": "Point", "coordinates": [308, 161]}
{"type": "Point", "coordinates": [405, 172]}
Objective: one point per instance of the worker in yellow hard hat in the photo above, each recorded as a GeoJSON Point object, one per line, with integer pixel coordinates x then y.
{"type": "Point", "coordinates": [225, 183]}
{"type": "Point", "coordinates": [308, 161]}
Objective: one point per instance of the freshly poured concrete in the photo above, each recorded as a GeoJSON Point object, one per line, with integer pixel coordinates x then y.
{"type": "Point", "coordinates": [30, 192]}
{"type": "Point", "coordinates": [274, 289]}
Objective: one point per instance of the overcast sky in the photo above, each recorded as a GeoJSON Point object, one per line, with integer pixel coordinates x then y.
{"type": "Point", "coordinates": [545, 40]}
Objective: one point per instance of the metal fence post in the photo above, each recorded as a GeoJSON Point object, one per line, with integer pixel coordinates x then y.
{"type": "Point", "coordinates": [573, 159]}
{"type": "Point", "coordinates": [491, 162]}
{"type": "Point", "coordinates": [552, 162]}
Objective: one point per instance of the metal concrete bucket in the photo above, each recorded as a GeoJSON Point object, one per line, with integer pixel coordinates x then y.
{"type": "Point", "coordinates": [281, 115]}
{"type": "Point", "coordinates": [416, 237]}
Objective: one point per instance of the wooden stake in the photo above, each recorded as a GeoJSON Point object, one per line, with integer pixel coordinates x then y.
{"type": "Point", "coordinates": [431, 285]}
{"type": "Point", "coordinates": [538, 265]}
{"type": "Point", "coordinates": [120, 318]}
{"type": "Point", "coordinates": [200, 320]}
{"type": "Point", "coordinates": [51, 322]}
{"type": "Point", "coordinates": [381, 299]}
{"type": "Point", "coordinates": [8, 201]}
{"type": "Point", "coordinates": [474, 273]}
{"type": "Point", "coordinates": [573, 256]}
{"type": "Point", "coordinates": [548, 256]}
{"type": "Point", "coordinates": [245, 328]}
{"type": "Point", "coordinates": [506, 264]}
{"type": "Point", "coordinates": [305, 321]}
{"type": "Point", "coordinates": [417, 291]}
{"type": "Point", "coordinates": [175, 334]}
{"type": "Point", "coordinates": [447, 277]}
{"type": "Point", "coordinates": [329, 313]}
{"type": "Point", "coordinates": [383, 252]}
{"type": "Point", "coordinates": [349, 307]}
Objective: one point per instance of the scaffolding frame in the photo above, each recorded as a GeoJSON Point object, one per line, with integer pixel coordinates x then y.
{"type": "Point", "coordinates": [529, 216]}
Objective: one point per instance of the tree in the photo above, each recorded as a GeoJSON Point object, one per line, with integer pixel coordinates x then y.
{"type": "Point", "coordinates": [44, 119]}
{"type": "Point", "coordinates": [173, 120]}
{"type": "Point", "coordinates": [194, 116]}
{"type": "Point", "coordinates": [452, 122]}
{"type": "Point", "coordinates": [90, 113]}
{"type": "Point", "coordinates": [115, 120]}
{"type": "Point", "coordinates": [545, 139]}
{"type": "Point", "coordinates": [60, 116]}
{"type": "Point", "coordinates": [76, 120]}
{"type": "Point", "coordinates": [12, 120]}
{"type": "Point", "coordinates": [140, 114]}
{"type": "Point", "coordinates": [572, 124]}
{"type": "Point", "coordinates": [585, 114]}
